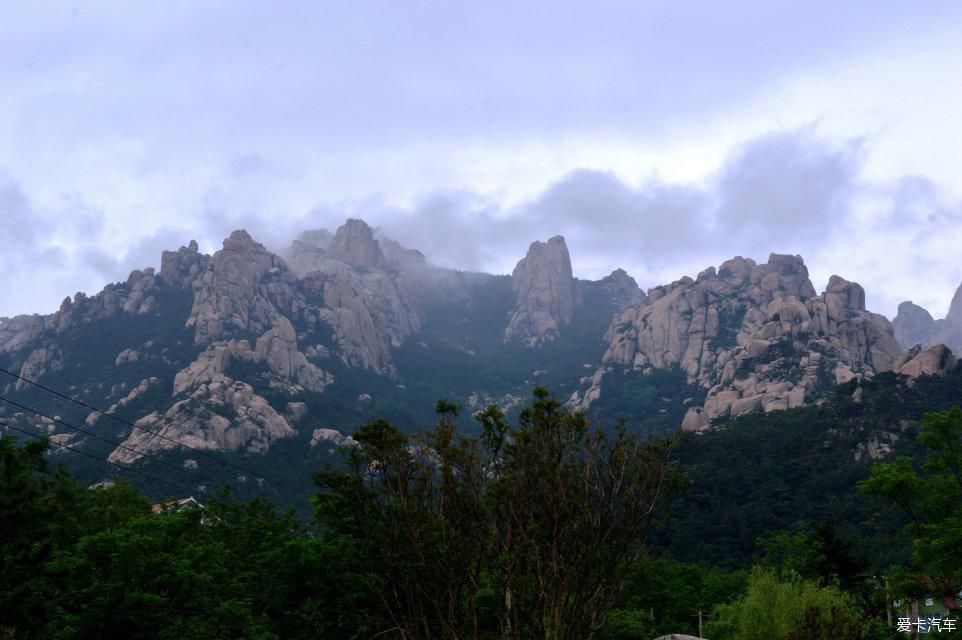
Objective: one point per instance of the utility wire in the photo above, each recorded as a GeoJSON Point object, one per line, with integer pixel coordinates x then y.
{"type": "Point", "coordinates": [90, 455]}
{"type": "Point", "coordinates": [113, 442]}
{"type": "Point", "coordinates": [279, 483]}
{"type": "Point", "coordinates": [150, 476]}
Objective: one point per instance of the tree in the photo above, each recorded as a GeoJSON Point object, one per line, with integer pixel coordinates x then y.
{"type": "Point", "coordinates": [40, 510]}
{"type": "Point", "coordinates": [823, 555]}
{"type": "Point", "coordinates": [572, 505]}
{"type": "Point", "coordinates": [530, 529]}
{"type": "Point", "coordinates": [788, 608]}
{"type": "Point", "coordinates": [413, 510]}
{"type": "Point", "coordinates": [931, 497]}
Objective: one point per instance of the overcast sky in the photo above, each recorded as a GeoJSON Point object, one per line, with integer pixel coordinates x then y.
{"type": "Point", "coordinates": [661, 137]}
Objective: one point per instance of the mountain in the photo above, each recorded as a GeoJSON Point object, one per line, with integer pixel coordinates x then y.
{"type": "Point", "coordinates": [545, 291]}
{"type": "Point", "coordinates": [754, 336]}
{"type": "Point", "coordinates": [266, 357]}
{"type": "Point", "coordinates": [272, 358]}
{"type": "Point", "coordinates": [916, 326]}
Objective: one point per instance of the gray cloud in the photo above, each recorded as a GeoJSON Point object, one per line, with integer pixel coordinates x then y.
{"type": "Point", "coordinates": [785, 191]}
{"type": "Point", "coordinates": [17, 231]}
{"type": "Point", "coordinates": [372, 73]}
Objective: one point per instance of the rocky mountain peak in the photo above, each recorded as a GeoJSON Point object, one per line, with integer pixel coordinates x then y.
{"type": "Point", "coordinates": [851, 293]}
{"type": "Point", "coordinates": [228, 296]}
{"type": "Point", "coordinates": [949, 332]}
{"type": "Point", "coordinates": [180, 268]}
{"type": "Point", "coordinates": [545, 293]}
{"type": "Point", "coordinates": [354, 244]}
{"type": "Point", "coordinates": [623, 289]}
{"type": "Point", "coordinates": [914, 325]}
{"type": "Point", "coordinates": [756, 336]}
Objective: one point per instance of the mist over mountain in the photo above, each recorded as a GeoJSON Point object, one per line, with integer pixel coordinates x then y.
{"type": "Point", "coordinates": [251, 353]}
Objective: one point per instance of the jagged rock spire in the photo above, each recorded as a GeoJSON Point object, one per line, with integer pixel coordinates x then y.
{"type": "Point", "coordinates": [545, 293]}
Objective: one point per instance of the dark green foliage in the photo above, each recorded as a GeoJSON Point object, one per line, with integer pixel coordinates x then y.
{"type": "Point", "coordinates": [930, 496]}
{"type": "Point", "coordinates": [787, 608]}
{"type": "Point", "coordinates": [668, 595]}
{"type": "Point", "coordinates": [795, 470]}
{"type": "Point", "coordinates": [651, 402]}
{"type": "Point", "coordinates": [96, 563]}
{"type": "Point", "coordinates": [531, 530]}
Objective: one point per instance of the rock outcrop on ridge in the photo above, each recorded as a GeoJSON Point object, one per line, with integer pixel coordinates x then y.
{"type": "Point", "coordinates": [182, 267]}
{"type": "Point", "coordinates": [20, 331]}
{"type": "Point", "coordinates": [623, 289]}
{"type": "Point", "coordinates": [221, 414]}
{"type": "Point", "coordinates": [231, 296]}
{"type": "Point", "coordinates": [756, 336]}
{"type": "Point", "coordinates": [368, 301]}
{"type": "Point", "coordinates": [545, 293]}
{"type": "Point", "coordinates": [914, 325]}
{"type": "Point", "coordinates": [349, 324]}
{"type": "Point", "coordinates": [935, 360]}
{"type": "Point", "coordinates": [949, 330]}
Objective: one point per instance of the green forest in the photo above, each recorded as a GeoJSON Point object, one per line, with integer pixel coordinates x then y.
{"type": "Point", "coordinates": [543, 525]}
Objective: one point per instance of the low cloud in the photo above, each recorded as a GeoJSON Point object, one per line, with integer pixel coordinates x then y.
{"type": "Point", "coordinates": [787, 192]}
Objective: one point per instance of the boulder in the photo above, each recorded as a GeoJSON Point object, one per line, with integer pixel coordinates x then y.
{"type": "Point", "coordinates": [756, 336]}
{"type": "Point", "coordinates": [936, 360]}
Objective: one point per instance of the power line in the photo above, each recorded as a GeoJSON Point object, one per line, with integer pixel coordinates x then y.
{"type": "Point", "coordinates": [81, 403]}
{"type": "Point", "coordinates": [113, 442]}
{"type": "Point", "coordinates": [150, 476]}
{"type": "Point", "coordinates": [90, 455]}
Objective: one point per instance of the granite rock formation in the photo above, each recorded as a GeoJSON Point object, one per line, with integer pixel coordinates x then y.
{"type": "Point", "coordinates": [756, 336]}
{"type": "Point", "coordinates": [182, 267]}
{"type": "Point", "coordinates": [949, 331]}
{"type": "Point", "coordinates": [230, 297]}
{"type": "Point", "coordinates": [935, 360]}
{"type": "Point", "coordinates": [914, 325]}
{"type": "Point", "coordinates": [222, 414]}
{"type": "Point", "coordinates": [545, 293]}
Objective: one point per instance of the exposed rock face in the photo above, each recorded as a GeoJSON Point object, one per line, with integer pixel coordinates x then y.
{"type": "Point", "coordinates": [19, 331]}
{"type": "Point", "coordinates": [126, 356]}
{"type": "Point", "coordinates": [331, 438]}
{"type": "Point", "coordinates": [39, 363]}
{"type": "Point", "coordinates": [230, 296]}
{"type": "Point", "coordinates": [756, 336]}
{"type": "Point", "coordinates": [949, 332]}
{"type": "Point", "coordinates": [545, 292]}
{"type": "Point", "coordinates": [914, 325]}
{"type": "Point", "coordinates": [182, 267]}
{"type": "Point", "coordinates": [145, 384]}
{"type": "Point", "coordinates": [367, 299]}
{"type": "Point", "coordinates": [935, 360]}
{"type": "Point", "coordinates": [134, 297]}
{"type": "Point", "coordinates": [623, 289]}
{"type": "Point", "coordinates": [278, 349]}
{"type": "Point", "coordinates": [232, 418]}
{"type": "Point", "coordinates": [851, 294]}
{"type": "Point", "coordinates": [211, 363]}
{"type": "Point", "coordinates": [304, 258]}
{"type": "Point", "coordinates": [354, 244]}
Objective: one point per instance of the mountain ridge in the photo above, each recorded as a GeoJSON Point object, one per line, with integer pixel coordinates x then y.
{"type": "Point", "coordinates": [246, 349]}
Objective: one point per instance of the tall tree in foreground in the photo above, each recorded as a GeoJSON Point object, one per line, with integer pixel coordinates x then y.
{"type": "Point", "coordinates": [932, 499]}
{"type": "Point", "coordinates": [572, 506]}
{"type": "Point", "coordinates": [526, 530]}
